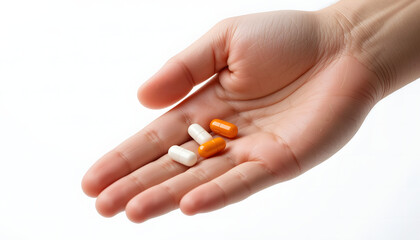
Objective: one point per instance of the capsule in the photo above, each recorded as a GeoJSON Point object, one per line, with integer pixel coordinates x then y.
{"type": "Point", "coordinates": [223, 128]}
{"type": "Point", "coordinates": [211, 147]}
{"type": "Point", "coordinates": [182, 155]}
{"type": "Point", "coordinates": [199, 134]}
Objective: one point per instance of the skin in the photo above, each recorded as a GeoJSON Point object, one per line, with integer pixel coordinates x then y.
{"type": "Point", "coordinates": [297, 84]}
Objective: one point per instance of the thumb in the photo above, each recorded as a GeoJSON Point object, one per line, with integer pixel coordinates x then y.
{"type": "Point", "coordinates": [205, 57]}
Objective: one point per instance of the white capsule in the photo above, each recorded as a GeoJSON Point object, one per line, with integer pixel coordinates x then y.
{"type": "Point", "coordinates": [199, 134]}
{"type": "Point", "coordinates": [182, 155]}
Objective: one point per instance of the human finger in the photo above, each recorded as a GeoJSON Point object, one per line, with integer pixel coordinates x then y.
{"type": "Point", "coordinates": [205, 57]}
{"type": "Point", "coordinates": [155, 139]}
{"type": "Point", "coordinates": [263, 159]}
{"type": "Point", "coordinates": [165, 197]}
{"type": "Point", "coordinates": [114, 198]}
{"type": "Point", "coordinates": [235, 185]}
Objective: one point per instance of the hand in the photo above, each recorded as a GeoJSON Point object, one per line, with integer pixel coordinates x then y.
{"type": "Point", "coordinates": [284, 78]}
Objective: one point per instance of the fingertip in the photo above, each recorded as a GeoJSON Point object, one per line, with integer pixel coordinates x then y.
{"type": "Point", "coordinates": [188, 205]}
{"type": "Point", "coordinates": [106, 206]}
{"type": "Point", "coordinates": [89, 184]}
{"type": "Point", "coordinates": [200, 200]}
{"type": "Point", "coordinates": [149, 204]}
{"type": "Point", "coordinates": [103, 173]}
{"type": "Point", "coordinates": [147, 99]}
{"type": "Point", "coordinates": [169, 85]}
{"type": "Point", "coordinates": [135, 212]}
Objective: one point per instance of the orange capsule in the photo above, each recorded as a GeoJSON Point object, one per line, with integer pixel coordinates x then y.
{"type": "Point", "coordinates": [224, 128]}
{"type": "Point", "coordinates": [211, 147]}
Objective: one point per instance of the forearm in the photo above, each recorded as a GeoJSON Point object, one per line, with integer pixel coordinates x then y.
{"type": "Point", "coordinates": [384, 35]}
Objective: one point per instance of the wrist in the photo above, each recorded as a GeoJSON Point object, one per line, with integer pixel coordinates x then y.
{"type": "Point", "coordinates": [382, 35]}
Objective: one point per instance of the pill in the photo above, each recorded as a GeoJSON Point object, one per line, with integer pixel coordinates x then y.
{"type": "Point", "coordinates": [182, 155]}
{"type": "Point", "coordinates": [211, 147]}
{"type": "Point", "coordinates": [224, 128]}
{"type": "Point", "coordinates": [199, 134]}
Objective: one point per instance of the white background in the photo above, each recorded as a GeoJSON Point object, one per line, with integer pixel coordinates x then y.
{"type": "Point", "coordinates": [69, 72]}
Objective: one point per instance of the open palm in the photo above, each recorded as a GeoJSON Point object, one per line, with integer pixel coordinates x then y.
{"type": "Point", "coordinates": [284, 78]}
